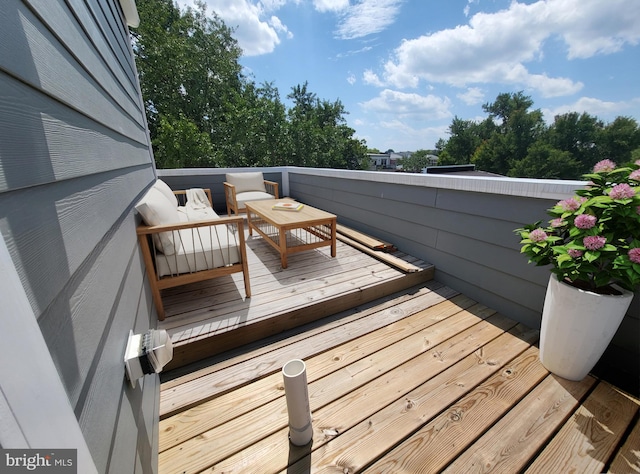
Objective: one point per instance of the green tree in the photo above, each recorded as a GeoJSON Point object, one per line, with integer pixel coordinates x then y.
{"type": "Point", "coordinates": [577, 134]}
{"type": "Point", "coordinates": [416, 162]}
{"type": "Point", "coordinates": [319, 135]}
{"type": "Point", "coordinates": [202, 111]}
{"type": "Point", "coordinates": [545, 162]}
{"type": "Point", "coordinates": [189, 72]}
{"type": "Point", "coordinates": [619, 139]}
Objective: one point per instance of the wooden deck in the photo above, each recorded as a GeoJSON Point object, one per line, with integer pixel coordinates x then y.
{"type": "Point", "coordinates": [210, 317]}
{"type": "Point", "coordinates": [423, 380]}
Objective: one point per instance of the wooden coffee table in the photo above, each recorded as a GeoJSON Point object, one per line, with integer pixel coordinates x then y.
{"type": "Point", "coordinates": [292, 231]}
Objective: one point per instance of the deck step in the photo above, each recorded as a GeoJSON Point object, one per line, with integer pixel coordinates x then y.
{"type": "Point", "coordinates": [209, 319]}
{"type": "Point", "coordinates": [232, 370]}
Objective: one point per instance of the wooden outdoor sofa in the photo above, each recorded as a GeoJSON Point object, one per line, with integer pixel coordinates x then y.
{"type": "Point", "coordinates": [183, 244]}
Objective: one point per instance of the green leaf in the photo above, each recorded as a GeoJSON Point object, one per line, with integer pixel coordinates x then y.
{"type": "Point", "coordinates": [591, 255]}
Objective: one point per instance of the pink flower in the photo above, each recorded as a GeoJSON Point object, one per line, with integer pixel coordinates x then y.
{"type": "Point", "coordinates": [557, 222]}
{"type": "Point", "coordinates": [594, 242]}
{"type": "Point", "coordinates": [635, 175]}
{"type": "Point", "coordinates": [538, 235]}
{"type": "Point", "coordinates": [622, 191]}
{"type": "Point", "coordinates": [574, 253]}
{"type": "Point", "coordinates": [585, 221]}
{"type": "Point", "coordinates": [638, 162]}
{"type": "Point", "coordinates": [567, 205]}
{"type": "Point", "coordinates": [634, 255]}
{"type": "Point", "coordinates": [604, 165]}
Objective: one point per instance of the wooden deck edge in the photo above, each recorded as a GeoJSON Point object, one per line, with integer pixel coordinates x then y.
{"type": "Point", "coordinates": [190, 352]}
{"type": "Point", "coordinates": [387, 258]}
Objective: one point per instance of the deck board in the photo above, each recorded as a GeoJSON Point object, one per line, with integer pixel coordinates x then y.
{"type": "Point", "coordinates": [422, 380]}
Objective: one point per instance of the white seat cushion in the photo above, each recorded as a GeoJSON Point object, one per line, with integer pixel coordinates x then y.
{"type": "Point", "coordinates": [244, 182]}
{"type": "Point", "coordinates": [201, 248]}
{"type": "Point", "coordinates": [242, 198]}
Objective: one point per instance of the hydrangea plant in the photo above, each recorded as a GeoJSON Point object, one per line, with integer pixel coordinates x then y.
{"type": "Point", "coordinates": [593, 239]}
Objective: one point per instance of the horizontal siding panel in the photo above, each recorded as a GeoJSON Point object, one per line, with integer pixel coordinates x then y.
{"type": "Point", "coordinates": [527, 316]}
{"type": "Point", "coordinates": [104, 69]}
{"type": "Point", "coordinates": [37, 58]}
{"type": "Point", "coordinates": [106, 388]}
{"type": "Point", "coordinates": [77, 322]}
{"type": "Point", "coordinates": [50, 230]}
{"type": "Point", "coordinates": [495, 206]}
{"type": "Point", "coordinates": [59, 142]}
{"type": "Point", "coordinates": [117, 42]}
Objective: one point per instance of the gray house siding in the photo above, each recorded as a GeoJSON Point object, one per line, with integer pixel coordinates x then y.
{"type": "Point", "coordinates": [74, 159]}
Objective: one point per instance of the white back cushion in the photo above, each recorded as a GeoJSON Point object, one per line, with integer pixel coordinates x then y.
{"type": "Point", "coordinates": [166, 191]}
{"type": "Point", "coordinates": [253, 181]}
{"type": "Point", "coordinates": [156, 209]}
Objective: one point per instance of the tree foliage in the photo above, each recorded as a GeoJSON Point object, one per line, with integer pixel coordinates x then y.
{"type": "Point", "coordinates": [202, 111]}
{"type": "Point", "coordinates": [416, 162]}
{"type": "Point", "coordinates": [514, 141]}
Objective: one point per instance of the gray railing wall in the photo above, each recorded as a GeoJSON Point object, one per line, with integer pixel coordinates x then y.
{"type": "Point", "coordinates": [462, 224]}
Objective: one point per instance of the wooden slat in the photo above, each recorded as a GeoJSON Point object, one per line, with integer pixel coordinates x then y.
{"type": "Point", "coordinates": [385, 257]}
{"type": "Point", "coordinates": [588, 439]}
{"type": "Point", "coordinates": [512, 442]}
{"type": "Point", "coordinates": [207, 415]}
{"type": "Point", "coordinates": [357, 405]}
{"type": "Point", "coordinates": [385, 429]}
{"type": "Point", "coordinates": [628, 458]}
{"type": "Point", "coordinates": [370, 242]}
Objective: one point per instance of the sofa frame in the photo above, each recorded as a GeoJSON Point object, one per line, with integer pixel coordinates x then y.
{"type": "Point", "coordinates": [150, 253]}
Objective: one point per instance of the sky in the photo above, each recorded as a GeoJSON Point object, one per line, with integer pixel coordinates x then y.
{"type": "Point", "coordinates": [403, 69]}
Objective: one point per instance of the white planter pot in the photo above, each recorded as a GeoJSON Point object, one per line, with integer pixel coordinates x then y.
{"type": "Point", "coordinates": [577, 327]}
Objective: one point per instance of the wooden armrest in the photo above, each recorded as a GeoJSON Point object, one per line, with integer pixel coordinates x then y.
{"type": "Point", "coordinates": [273, 185]}
{"type": "Point", "coordinates": [146, 229]}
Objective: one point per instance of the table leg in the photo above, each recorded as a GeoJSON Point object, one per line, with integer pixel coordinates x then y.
{"type": "Point", "coordinates": [283, 248]}
{"type": "Point", "coordinates": [333, 238]}
{"type": "Point", "coordinates": [249, 222]}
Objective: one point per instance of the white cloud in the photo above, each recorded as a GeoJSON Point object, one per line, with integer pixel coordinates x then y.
{"type": "Point", "coordinates": [472, 96]}
{"type": "Point", "coordinates": [351, 79]}
{"type": "Point", "coordinates": [467, 8]}
{"type": "Point", "coordinates": [330, 5]}
{"type": "Point", "coordinates": [277, 25]}
{"type": "Point", "coordinates": [371, 78]}
{"type": "Point", "coordinates": [402, 104]}
{"type": "Point", "coordinates": [494, 47]}
{"type": "Point", "coordinates": [254, 34]}
{"type": "Point", "coordinates": [400, 135]}
{"type": "Point", "coordinates": [595, 27]}
{"type": "Point", "coordinates": [366, 17]}
{"type": "Point", "coordinates": [603, 109]}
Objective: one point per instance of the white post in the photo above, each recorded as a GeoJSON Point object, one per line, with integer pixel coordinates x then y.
{"type": "Point", "coordinates": [296, 392]}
